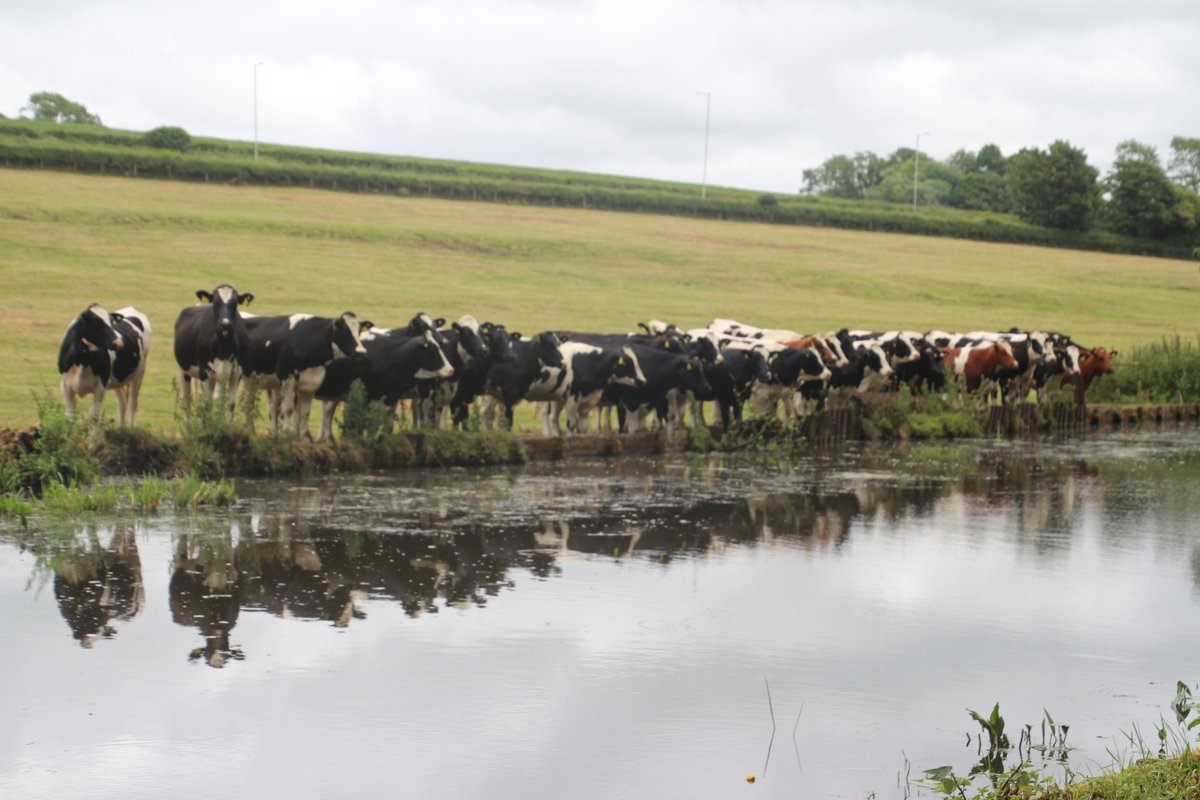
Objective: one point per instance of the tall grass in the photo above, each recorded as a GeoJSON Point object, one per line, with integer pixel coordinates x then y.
{"type": "Point", "coordinates": [1163, 372]}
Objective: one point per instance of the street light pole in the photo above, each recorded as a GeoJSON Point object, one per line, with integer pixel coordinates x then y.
{"type": "Point", "coordinates": [256, 66]}
{"type": "Point", "coordinates": [916, 166]}
{"type": "Point", "coordinates": [707, 114]}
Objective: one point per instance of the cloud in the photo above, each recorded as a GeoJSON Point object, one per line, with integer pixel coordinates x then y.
{"type": "Point", "coordinates": [614, 85]}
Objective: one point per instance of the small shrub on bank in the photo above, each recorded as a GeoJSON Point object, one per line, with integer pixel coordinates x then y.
{"type": "Point", "coordinates": [211, 437]}
{"type": "Point", "coordinates": [61, 453]}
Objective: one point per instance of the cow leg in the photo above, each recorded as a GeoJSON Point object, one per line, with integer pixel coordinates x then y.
{"type": "Point", "coordinates": [97, 402]}
{"type": "Point", "coordinates": [122, 393]}
{"type": "Point", "coordinates": [328, 409]}
{"type": "Point", "coordinates": [68, 395]}
{"type": "Point", "coordinates": [185, 391]}
{"type": "Point", "coordinates": [135, 391]}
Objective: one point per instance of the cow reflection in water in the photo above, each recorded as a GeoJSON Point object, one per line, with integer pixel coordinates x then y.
{"type": "Point", "coordinates": [206, 592]}
{"type": "Point", "coordinates": [98, 586]}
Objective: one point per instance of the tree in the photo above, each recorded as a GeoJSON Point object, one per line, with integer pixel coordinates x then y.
{"type": "Point", "coordinates": [1184, 166]}
{"type": "Point", "coordinates": [1142, 200]}
{"type": "Point", "coordinates": [1054, 188]}
{"type": "Point", "coordinates": [981, 191]}
{"type": "Point", "coordinates": [936, 182]}
{"type": "Point", "coordinates": [990, 159]}
{"type": "Point", "coordinates": [55, 107]}
{"type": "Point", "coordinates": [843, 176]}
{"type": "Point", "coordinates": [168, 137]}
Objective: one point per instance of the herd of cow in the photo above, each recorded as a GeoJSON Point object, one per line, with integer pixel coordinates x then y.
{"type": "Point", "coordinates": [444, 371]}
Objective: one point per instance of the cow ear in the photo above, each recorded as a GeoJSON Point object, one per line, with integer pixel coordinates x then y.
{"type": "Point", "coordinates": [439, 322]}
{"type": "Point", "coordinates": [773, 356]}
{"type": "Point", "coordinates": [114, 318]}
{"type": "Point", "coordinates": [454, 326]}
{"type": "Point", "coordinates": [514, 335]}
{"type": "Point", "coordinates": [485, 328]}
{"type": "Point", "coordinates": [1115, 353]}
{"type": "Point", "coordinates": [245, 299]}
{"type": "Point", "coordinates": [686, 338]}
{"type": "Point", "coordinates": [365, 325]}
{"type": "Point", "coordinates": [564, 338]}
{"type": "Point", "coordinates": [203, 295]}
{"type": "Point", "coordinates": [724, 343]}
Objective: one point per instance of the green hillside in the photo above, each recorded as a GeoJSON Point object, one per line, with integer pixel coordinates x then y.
{"type": "Point", "coordinates": [69, 240]}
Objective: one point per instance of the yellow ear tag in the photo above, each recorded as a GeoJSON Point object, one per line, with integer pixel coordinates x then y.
{"type": "Point", "coordinates": [689, 366]}
{"type": "Point", "coordinates": [621, 361]}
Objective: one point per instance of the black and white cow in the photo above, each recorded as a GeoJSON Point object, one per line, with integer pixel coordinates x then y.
{"type": "Point", "coordinates": [730, 383]}
{"type": "Point", "coordinates": [101, 351]}
{"type": "Point", "coordinates": [210, 341]}
{"type": "Point", "coordinates": [461, 344]}
{"type": "Point", "coordinates": [509, 381]}
{"type": "Point", "coordinates": [578, 386]}
{"type": "Point", "coordinates": [663, 371]}
{"type": "Point", "coordinates": [788, 369]}
{"type": "Point", "coordinates": [926, 371]}
{"type": "Point", "coordinates": [868, 364]}
{"type": "Point", "coordinates": [471, 380]}
{"type": "Point", "coordinates": [288, 356]}
{"type": "Point", "coordinates": [393, 365]}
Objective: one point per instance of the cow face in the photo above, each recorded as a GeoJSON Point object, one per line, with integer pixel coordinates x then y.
{"type": "Point", "coordinates": [789, 367]}
{"type": "Point", "coordinates": [499, 342]}
{"type": "Point", "coordinates": [225, 301]}
{"type": "Point", "coordinates": [470, 339]}
{"type": "Point", "coordinates": [876, 360]}
{"type": "Point", "coordinates": [627, 371]}
{"type": "Point", "coordinates": [431, 361]}
{"type": "Point", "coordinates": [545, 345]}
{"type": "Point", "coordinates": [96, 329]}
{"type": "Point", "coordinates": [1097, 361]}
{"type": "Point", "coordinates": [1040, 348]}
{"type": "Point", "coordinates": [345, 340]}
{"type": "Point", "coordinates": [689, 376]}
{"type": "Point", "coordinates": [1069, 356]}
{"type": "Point", "coordinates": [423, 322]}
{"type": "Point", "coordinates": [1005, 358]}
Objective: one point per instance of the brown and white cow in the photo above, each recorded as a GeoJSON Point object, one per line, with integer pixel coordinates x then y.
{"type": "Point", "coordinates": [978, 363]}
{"type": "Point", "coordinates": [1092, 364]}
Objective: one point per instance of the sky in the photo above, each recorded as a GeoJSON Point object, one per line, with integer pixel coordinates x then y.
{"type": "Point", "coordinates": [621, 86]}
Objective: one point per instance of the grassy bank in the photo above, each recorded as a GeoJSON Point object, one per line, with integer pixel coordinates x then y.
{"type": "Point", "coordinates": [68, 240]}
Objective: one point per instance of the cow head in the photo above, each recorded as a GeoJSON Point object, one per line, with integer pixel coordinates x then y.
{"type": "Point", "coordinates": [345, 339]}
{"type": "Point", "coordinates": [471, 343]}
{"type": "Point", "coordinates": [877, 360]}
{"type": "Point", "coordinates": [498, 340]}
{"type": "Point", "coordinates": [689, 376]}
{"type": "Point", "coordinates": [431, 360]}
{"type": "Point", "coordinates": [225, 301]}
{"type": "Point", "coordinates": [1097, 361]}
{"type": "Point", "coordinates": [96, 329]}
{"type": "Point", "coordinates": [545, 345]}
{"type": "Point", "coordinates": [1005, 358]}
{"type": "Point", "coordinates": [1040, 348]}
{"type": "Point", "coordinates": [422, 322]}
{"type": "Point", "coordinates": [789, 367]}
{"type": "Point", "coordinates": [627, 371]}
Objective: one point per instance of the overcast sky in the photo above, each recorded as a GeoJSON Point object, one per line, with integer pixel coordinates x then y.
{"type": "Point", "coordinates": [617, 87]}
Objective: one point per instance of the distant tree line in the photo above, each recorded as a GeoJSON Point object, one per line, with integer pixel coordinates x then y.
{"type": "Point", "coordinates": [1048, 197]}
{"type": "Point", "coordinates": [1052, 188]}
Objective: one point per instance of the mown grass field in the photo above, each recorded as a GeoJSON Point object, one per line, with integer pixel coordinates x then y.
{"type": "Point", "coordinates": [69, 240]}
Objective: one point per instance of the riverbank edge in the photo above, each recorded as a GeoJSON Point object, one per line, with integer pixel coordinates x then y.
{"type": "Point", "coordinates": [238, 453]}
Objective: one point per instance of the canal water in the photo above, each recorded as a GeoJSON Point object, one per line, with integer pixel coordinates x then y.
{"type": "Point", "coordinates": [643, 627]}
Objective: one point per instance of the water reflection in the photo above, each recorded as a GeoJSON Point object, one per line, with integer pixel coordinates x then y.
{"type": "Point", "coordinates": [453, 539]}
{"type": "Point", "coordinates": [97, 586]}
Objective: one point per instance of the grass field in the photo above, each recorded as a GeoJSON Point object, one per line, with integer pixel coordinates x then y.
{"type": "Point", "coordinates": [69, 240]}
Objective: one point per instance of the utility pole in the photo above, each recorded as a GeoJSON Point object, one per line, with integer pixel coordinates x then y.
{"type": "Point", "coordinates": [916, 166]}
{"type": "Point", "coordinates": [707, 114]}
{"type": "Point", "coordinates": [256, 66]}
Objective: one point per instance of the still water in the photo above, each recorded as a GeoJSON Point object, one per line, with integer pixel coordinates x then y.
{"type": "Point", "coordinates": [623, 628]}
